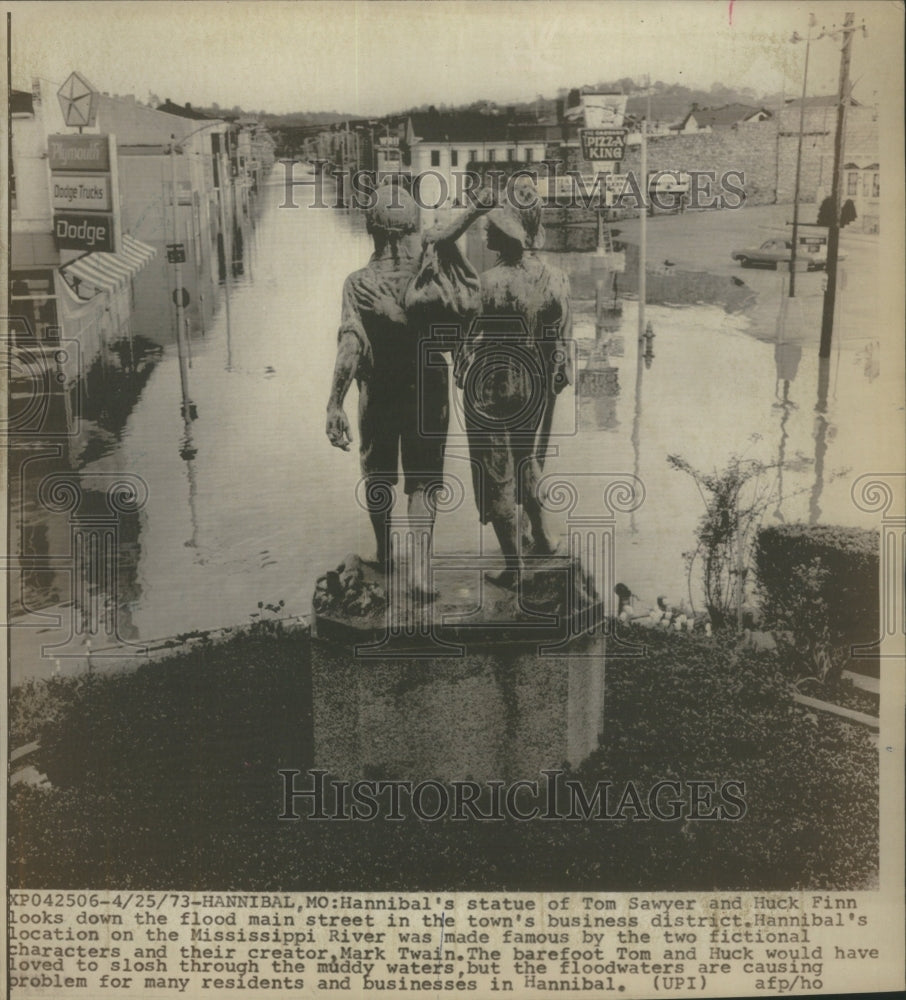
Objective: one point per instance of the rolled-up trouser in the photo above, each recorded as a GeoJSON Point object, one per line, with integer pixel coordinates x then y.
{"type": "Point", "coordinates": [406, 419]}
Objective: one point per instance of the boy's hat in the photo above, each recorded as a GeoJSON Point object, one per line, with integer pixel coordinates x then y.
{"type": "Point", "coordinates": [394, 211]}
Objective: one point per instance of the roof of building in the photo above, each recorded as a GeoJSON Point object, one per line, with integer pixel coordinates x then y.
{"type": "Point", "coordinates": [729, 114]}
{"type": "Point", "coordinates": [183, 111]}
{"type": "Point", "coordinates": [458, 126]}
{"type": "Point", "coordinates": [828, 101]}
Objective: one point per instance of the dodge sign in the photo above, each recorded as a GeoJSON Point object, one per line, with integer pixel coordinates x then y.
{"type": "Point", "coordinates": [84, 231]}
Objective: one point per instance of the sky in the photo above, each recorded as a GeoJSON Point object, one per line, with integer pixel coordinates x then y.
{"type": "Point", "coordinates": [378, 57]}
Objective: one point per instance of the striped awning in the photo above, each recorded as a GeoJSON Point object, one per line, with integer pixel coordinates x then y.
{"type": "Point", "coordinates": [106, 271]}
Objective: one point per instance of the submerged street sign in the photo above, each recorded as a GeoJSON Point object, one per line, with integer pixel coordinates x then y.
{"type": "Point", "coordinates": [603, 143]}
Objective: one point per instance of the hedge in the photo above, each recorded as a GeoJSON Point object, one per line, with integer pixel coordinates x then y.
{"type": "Point", "coordinates": [166, 778]}
{"type": "Point", "coordinates": [815, 579]}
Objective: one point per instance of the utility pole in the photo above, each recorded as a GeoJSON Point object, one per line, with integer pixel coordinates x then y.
{"type": "Point", "coordinates": [189, 410]}
{"type": "Point", "coordinates": [794, 250]}
{"type": "Point", "coordinates": [643, 253]}
{"type": "Point", "coordinates": [833, 239]}
{"type": "Point", "coordinates": [643, 220]}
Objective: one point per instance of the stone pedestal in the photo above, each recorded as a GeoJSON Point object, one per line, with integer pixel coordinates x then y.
{"type": "Point", "coordinates": [504, 713]}
{"type": "Point", "coordinates": [481, 690]}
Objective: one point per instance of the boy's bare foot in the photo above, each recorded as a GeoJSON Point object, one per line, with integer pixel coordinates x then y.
{"type": "Point", "coordinates": [507, 579]}
{"type": "Point", "coordinates": [423, 594]}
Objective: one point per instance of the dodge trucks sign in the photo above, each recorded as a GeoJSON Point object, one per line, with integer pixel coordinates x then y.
{"type": "Point", "coordinates": [82, 191]}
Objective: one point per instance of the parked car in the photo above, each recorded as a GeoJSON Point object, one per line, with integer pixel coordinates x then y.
{"type": "Point", "coordinates": [778, 251]}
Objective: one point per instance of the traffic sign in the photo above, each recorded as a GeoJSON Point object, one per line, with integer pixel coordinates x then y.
{"type": "Point", "coordinates": [181, 297]}
{"type": "Point", "coordinates": [176, 253]}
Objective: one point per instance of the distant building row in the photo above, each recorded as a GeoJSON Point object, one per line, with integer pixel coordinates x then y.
{"type": "Point", "coordinates": [761, 142]}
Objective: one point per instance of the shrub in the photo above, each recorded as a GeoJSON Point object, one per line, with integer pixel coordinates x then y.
{"type": "Point", "coordinates": [818, 584]}
{"type": "Point", "coordinates": [166, 778]}
{"type": "Point", "coordinates": [735, 498]}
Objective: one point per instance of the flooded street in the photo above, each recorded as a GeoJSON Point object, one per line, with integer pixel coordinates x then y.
{"type": "Point", "coordinates": [249, 503]}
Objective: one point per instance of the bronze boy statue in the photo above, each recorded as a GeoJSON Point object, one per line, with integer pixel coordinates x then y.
{"type": "Point", "coordinates": [403, 404]}
{"type": "Point", "coordinates": [513, 366]}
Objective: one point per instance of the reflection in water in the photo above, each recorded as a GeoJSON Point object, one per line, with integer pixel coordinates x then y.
{"type": "Point", "coordinates": [786, 362]}
{"type": "Point", "coordinates": [870, 359]}
{"type": "Point", "coordinates": [93, 413]}
{"type": "Point", "coordinates": [822, 425]}
{"type": "Point", "coordinates": [637, 425]}
{"type": "Point", "coordinates": [785, 405]}
{"type": "Point", "coordinates": [598, 384]}
{"type": "Point", "coordinates": [108, 393]}
{"type": "Point", "coordinates": [187, 452]}
{"type": "Point", "coordinates": [598, 394]}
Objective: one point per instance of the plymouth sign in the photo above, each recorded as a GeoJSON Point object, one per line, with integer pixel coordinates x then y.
{"type": "Point", "coordinates": [78, 152]}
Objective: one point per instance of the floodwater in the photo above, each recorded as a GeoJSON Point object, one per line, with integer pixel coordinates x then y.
{"type": "Point", "coordinates": [249, 503]}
